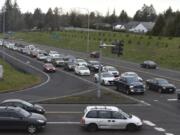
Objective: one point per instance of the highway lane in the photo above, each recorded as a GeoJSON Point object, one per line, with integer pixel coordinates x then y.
{"type": "Point", "coordinates": [58, 85]}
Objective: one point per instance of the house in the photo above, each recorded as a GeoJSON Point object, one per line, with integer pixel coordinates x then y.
{"type": "Point", "coordinates": [142, 27]}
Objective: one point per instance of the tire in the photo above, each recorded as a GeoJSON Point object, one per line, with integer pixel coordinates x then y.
{"type": "Point", "coordinates": [128, 92]}
{"type": "Point", "coordinates": [31, 129]}
{"type": "Point", "coordinates": [131, 127]}
{"type": "Point", "coordinates": [147, 87]}
{"type": "Point", "coordinates": [92, 128]}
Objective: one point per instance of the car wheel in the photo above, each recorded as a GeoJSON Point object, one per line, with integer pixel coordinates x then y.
{"type": "Point", "coordinates": [127, 92]}
{"type": "Point", "coordinates": [31, 129]}
{"type": "Point", "coordinates": [160, 90]}
{"type": "Point", "coordinates": [92, 127]}
{"type": "Point", "coordinates": [131, 127]}
{"type": "Point", "coordinates": [147, 87]}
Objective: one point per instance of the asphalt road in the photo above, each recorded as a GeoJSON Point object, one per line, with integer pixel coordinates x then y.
{"type": "Point", "coordinates": [161, 117]}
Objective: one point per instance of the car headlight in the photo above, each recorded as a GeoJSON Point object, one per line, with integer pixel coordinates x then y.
{"type": "Point", "coordinates": [132, 90]}
{"type": "Point", "coordinates": [131, 87]}
{"type": "Point", "coordinates": [40, 121]}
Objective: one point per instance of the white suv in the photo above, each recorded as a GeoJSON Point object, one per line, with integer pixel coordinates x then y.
{"type": "Point", "coordinates": [108, 117]}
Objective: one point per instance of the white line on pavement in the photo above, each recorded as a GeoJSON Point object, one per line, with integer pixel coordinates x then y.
{"type": "Point", "coordinates": [64, 123]}
{"type": "Point", "coordinates": [61, 112]}
{"type": "Point", "coordinates": [172, 99]}
{"type": "Point", "coordinates": [169, 134]}
{"type": "Point", "coordinates": [160, 129]}
{"type": "Point", "coordinates": [149, 123]}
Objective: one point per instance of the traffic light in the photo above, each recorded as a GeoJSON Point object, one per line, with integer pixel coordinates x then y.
{"type": "Point", "coordinates": [117, 48]}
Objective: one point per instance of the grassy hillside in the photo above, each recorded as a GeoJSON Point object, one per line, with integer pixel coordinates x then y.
{"type": "Point", "coordinates": [14, 80]}
{"type": "Point", "coordinates": [165, 51]}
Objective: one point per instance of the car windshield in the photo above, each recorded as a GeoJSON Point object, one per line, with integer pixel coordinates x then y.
{"type": "Point", "coordinates": [132, 80]}
{"type": "Point", "coordinates": [125, 114]}
{"type": "Point", "coordinates": [80, 60]}
{"type": "Point", "coordinates": [112, 69]}
{"type": "Point", "coordinates": [27, 103]}
{"type": "Point", "coordinates": [24, 112]}
{"type": "Point", "coordinates": [49, 65]}
{"type": "Point", "coordinates": [162, 81]}
{"type": "Point", "coordinates": [94, 62]}
{"type": "Point", "coordinates": [107, 75]}
{"type": "Point", "coordinates": [131, 74]}
{"type": "Point", "coordinates": [83, 68]}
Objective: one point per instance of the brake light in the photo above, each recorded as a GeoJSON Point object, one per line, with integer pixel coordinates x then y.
{"type": "Point", "coordinates": [82, 121]}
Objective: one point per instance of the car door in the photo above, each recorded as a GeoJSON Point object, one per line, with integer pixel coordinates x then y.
{"type": "Point", "coordinates": [104, 119]}
{"type": "Point", "coordinates": [4, 120]}
{"type": "Point", "coordinates": [118, 121]}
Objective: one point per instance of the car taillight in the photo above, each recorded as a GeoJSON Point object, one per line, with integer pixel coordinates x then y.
{"type": "Point", "coordinates": [82, 121]}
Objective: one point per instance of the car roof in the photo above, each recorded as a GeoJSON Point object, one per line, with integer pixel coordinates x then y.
{"type": "Point", "coordinates": [13, 100]}
{"type": "Point", "coordinates": [109, 108]}
{"type": "Point", "coordinates": [109, 67]}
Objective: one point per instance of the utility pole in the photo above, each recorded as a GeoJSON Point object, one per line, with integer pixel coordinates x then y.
{"type": "Point", "coordinates": [101, 46]}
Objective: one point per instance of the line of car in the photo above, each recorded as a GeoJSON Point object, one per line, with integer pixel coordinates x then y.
{"type": "Point", "coordinates": [127, 82]}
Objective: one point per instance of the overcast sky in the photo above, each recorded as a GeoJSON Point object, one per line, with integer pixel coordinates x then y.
{"type": "Point", "coordinates": [102, 6]}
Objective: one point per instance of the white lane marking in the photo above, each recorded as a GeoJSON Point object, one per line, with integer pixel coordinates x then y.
{"type": "Point", "coordinates": [172, 99]}
{"type": "Point", "coordinates": [149, 123]}
{"type": "Point", "coordinates": [169, 134]}
{"type": "Point", "coordinates": [37, 86]}
{"type": "Point", "coordinates": [156, 100]}
{"type": "Point", "coordinates": [159, 129]}
{"type": "Point", "coordinates": [64, 123]}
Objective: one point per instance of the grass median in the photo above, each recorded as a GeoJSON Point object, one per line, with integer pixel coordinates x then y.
{"type": "Point", "coordinates": [107, 97]}
{"type": "Point", "coordinates": [137, 48]}
{"type": "Point", "coordinates": [16, 80]}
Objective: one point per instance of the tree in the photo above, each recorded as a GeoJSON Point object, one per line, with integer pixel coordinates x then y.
{"type": "Point", "coordinates": [49, 19]}
{"type": "Point", "coordinates": [146, 13]}
{"type": "Point", "coordinates": [28, 20]}
{"type": "Point", "coordinates": [159, 25]}
{"type": "Point", "coordinates": [38, 18]}
{"type": "Point", "coordinates": [123, 17]}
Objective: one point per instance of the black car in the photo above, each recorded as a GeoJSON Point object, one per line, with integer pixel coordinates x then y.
{"type": "Point", "coordinates": [149, 64]}
{"type": "Point", "coordinates": [94, 65]}
{"type": "Point", "coordinates": [94, 54]}
{"type": "Point", "coordinates": [69, 66]}
{"type": "Point", "coordinates": [129, 85]}
{"type": "Point", "coordinates": [23, 104]}
{"type": "Point", "coordinates": [160, 85]}
{"type": "Point", "coordinates": [15, 118]}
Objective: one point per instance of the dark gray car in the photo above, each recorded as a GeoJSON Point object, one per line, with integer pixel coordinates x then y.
{"type": "Point", "coordinates": [15, 118]}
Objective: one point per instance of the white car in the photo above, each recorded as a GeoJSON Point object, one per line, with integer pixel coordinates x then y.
{"type": "Point", "coordinates": [111, 70]}
{"type": "Point", "coordinates": [41, 57]}
{"type": "Point", "coordinates": [106, 78]}
{"type": "Point", "coordinates": [54, 54]}
{"type": "Point", "coordinates": [81, 70]}
{"type": "Point", "coordinates": [80, 62]}
{"type": "Point", "coordinates": [108, 117]}
{"type": "Point", "coordinates": [132, 74]}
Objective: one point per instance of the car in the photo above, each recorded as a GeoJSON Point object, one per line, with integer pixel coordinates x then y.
{"type": "Point", "coordinates": [132, 74]}
{"type": "Point", "coordinates": [149, 64]}
{"type": "Point", "coordinates": [94, 65]}
{"type": "Point", "coordinates": [54, 54]}
{"type": "Point", "coordinates": [48, 67]}
{"type": "Point", "coordinates": [80, 62]}
{"type": "Point", "coordinates": [82, 70]}
{"type": "Point", "coordinates": [108, 117]}
{"type": "Point", "coordinates": [16, 118]}
{"type": "Point", "coordinates": [161, 85]}
{"type": "Point", "coordinates": [94, 54]}
{"type": "Point", "coordinates": [58, 62]}
{"type": "Point", "coordinates": [111, 70]}
{"type": "Point", "coordinates": [48, 59]}
{"type": "Point", "coordinates": [24, 105]}
{"type": "Point", "coordinates": [106, 78]}
{"type": "Point", "coordinates": [69, 66]}
{"type": "Point", "coordinates": [129, 85]}
{"type": "Point", "coordinates": [41, 57]}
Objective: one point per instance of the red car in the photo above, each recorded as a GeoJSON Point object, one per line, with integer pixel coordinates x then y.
{"type": "Point", "coordinates": [94, 54]}
{"type": "Point", "coordinates": [48, 67]}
